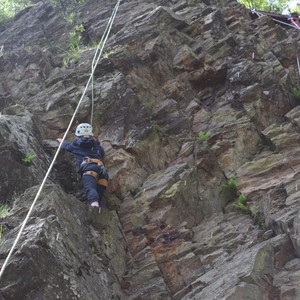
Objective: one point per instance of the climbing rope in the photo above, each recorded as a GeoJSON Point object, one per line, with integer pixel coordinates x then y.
{"type": "Point", "coordinates": [99, 51]}
{"type": "Point", "coordinates": [294, 24]}
{"type": "Point", "coordinates": [285, 23]}
{"type": "Point", "coordinates": [94, 65]}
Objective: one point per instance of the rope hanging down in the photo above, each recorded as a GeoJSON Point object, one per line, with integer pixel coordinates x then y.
{"type": "Point", "coordinates": [99, 51]}
{"type": "Point", "coordinates": [293, 25]}
{"type": "Point", "coordinates": [94, 65]}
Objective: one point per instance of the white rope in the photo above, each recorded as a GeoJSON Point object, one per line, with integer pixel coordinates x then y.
{"type": "Point", "coordinates": [260, 15]}
{"type": "Point", "coordinates": [100, 48]}
{"type": "Point", "coordinates": [298, 64]}
{"type": "Point", "coordinates": [285, 23]}
{"type": "Point", "coordinates": [95, 62]}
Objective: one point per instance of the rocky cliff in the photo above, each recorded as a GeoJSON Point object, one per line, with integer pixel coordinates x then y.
{"type": "Point", "coordinates": [196, 107]}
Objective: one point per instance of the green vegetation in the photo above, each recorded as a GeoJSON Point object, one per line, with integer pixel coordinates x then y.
{"type": "Point", "coordinates": [4, 209]}
{"type": "Point", "coordinates": [149, 104]}
{"type": "Point", "coordinates": [29, 157]}
{"type": "Point", "coordinates": [259, 222]}
{"type": "Point", "coordinates": [106, 54]}
{"type": "Point", "coordinates": [74, 42]}
{"type": "Point", "coordinates": [162, 129]}
{"type": "Point", "coordinates": [241, 199]}
{"type": "Point", "coordinates": [203, 135]}
{"type": "Point", "coordinates": [230, 189]}
{"type": "Point", "coordinates": [208, 114]}
{"type": "Point", "coordinates": [93, 44]}
{"type": "Point", "coordinates": [71, 17]}
{"type": "Point", "coordinates": [231, 184]}
{"type": "Point", "coordinates": [8, 8]}
{"type": "Point", "coordinates": [15, 195]}
{"type": "Point", "coordinates": [241, 203]}
{"type": "Point", "coordinates": [277, 6]}
{"type": "Point", "coordinates": [296, 93]}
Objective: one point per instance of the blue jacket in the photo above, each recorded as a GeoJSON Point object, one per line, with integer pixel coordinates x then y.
{"type": "Point", "coordinates": [83, 147]}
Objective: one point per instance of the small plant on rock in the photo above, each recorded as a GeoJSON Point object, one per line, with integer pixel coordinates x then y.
{"type": "Point", "coordinates": [259, 222]}
{"type": "Point", "coordinates": [4, 209]}
{"type": "Point", "coordinates": [163, 129]}
{"type": "Point", "coordinates": [231, 184]}
{"type": "Point", "coordinates": [15, 195]}
{"type": "Point", "coordinates": [241, 203]}
{"type": "Point", "coordinates": [29, 157]}
{"type": "Point", "coordinates": [106, 54]}
{"type": "Point", "coordinates": [203, 135]}
{"type": "Point", "coordinates": [230, 189]}
{"type": "Point", "coordinates": [9, 8]}
{"type": "Point", "coordinates": [208, 114]}
{"type": "Point", "coordinates": [73, 49]}
{"type": "Point", "coordinates": [296, 93]}
{"type": "Point", "coordinates": [71, 17]}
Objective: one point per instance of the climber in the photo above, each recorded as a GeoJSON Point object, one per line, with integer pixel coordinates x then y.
{"type": "Point", "coordinates": [89, 156]}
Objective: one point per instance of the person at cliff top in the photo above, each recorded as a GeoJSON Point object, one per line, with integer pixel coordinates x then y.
{"type": "Point", "coordinates": [89, 156]}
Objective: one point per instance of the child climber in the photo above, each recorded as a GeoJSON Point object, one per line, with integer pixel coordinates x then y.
{"type": "Point", "coordinates": [89, 157]}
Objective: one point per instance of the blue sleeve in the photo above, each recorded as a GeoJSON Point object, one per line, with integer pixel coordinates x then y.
{"type": "Point", "coordinates": [67, 146]}
{"type": "Point", "coordinates": [100, 150]}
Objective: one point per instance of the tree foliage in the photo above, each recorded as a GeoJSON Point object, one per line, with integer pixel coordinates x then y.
{"type": "Point", "coordinates": [8, 8]}
{"type": "Point", "coordinates": [276, 6]}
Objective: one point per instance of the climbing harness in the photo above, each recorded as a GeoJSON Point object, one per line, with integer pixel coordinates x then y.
{"type": "Point", "coordinates": [100, 181]}
{"type": "Point", "coordinates": [93, 173]}
{"type": "Point", "coordinates": [86, 161]}
{"type": "Point", "coordinates": [94, 65]}
{"type": "Point", "coordinates": [92, 160]}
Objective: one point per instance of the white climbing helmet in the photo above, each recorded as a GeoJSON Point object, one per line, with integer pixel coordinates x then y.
{"type": "Point", "coordinates": [84, 129]}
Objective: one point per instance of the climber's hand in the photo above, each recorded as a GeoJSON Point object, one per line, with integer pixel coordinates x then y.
{"type": "Point", "coordinates": [104, 172]}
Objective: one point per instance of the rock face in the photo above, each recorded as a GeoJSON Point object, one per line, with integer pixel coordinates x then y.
{"type": "Point", "coordinates": [187, 96]}
{"type": "Point", "coordinates": [62, 257]}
